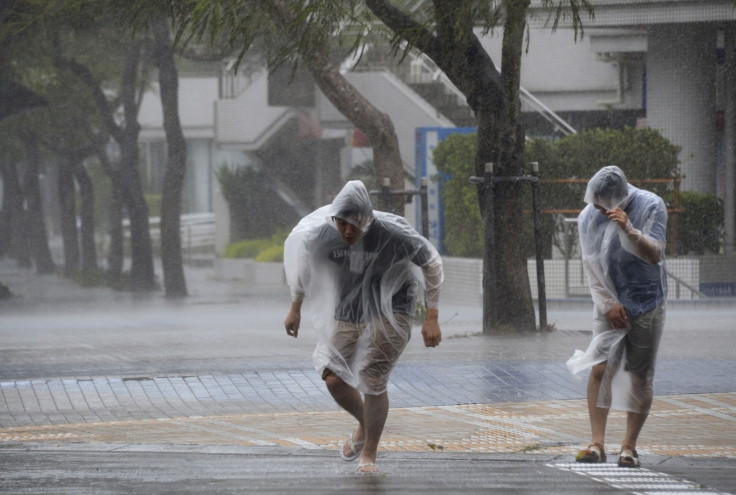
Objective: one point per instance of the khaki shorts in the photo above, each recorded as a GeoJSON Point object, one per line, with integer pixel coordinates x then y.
{"type": "Point", "coordinates": [383, 349]}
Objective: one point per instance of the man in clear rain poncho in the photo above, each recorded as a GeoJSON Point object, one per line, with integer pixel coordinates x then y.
{"type": "Point", "coordinates": [622, 236]}
{"type": "Point", "coordinates": [361, 271]}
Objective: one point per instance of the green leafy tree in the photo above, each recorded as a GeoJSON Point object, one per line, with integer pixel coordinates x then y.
{"type": "Point", "coordinates": [118, 43]}
{"type": "Point", "coordinates": [68, 125]}
{"type": "Point", "coordinates": [23, 236]}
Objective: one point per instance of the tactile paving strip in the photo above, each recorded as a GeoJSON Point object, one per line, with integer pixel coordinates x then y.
{"type": "Point", "coordinates": [700, 425]}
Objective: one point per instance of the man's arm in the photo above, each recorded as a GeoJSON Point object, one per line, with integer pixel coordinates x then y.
{"type": "Point", "coordinates": [431, 329]}
{"type": "Point", "coordinates": [294, 317]}
{"type": "Point", "coordinates": [648, 249]}
{"type": "Point", "coordinates": [605, 302]}
{"type": "Point", "coordinates": [433, 279]}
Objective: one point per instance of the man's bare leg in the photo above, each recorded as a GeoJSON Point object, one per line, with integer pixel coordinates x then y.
{"type": "Point", "coordinates": [376, 412]}
{"type": "Point", "coordinates": [598, 415]}
{"type": "Point", "coordinates": [371, 414]}
{"type": "Point", "coordinates": [350, 399]}
{"type": "Point", "coordinates": [635, 421]}
{"type": "Point", "coordinates": [634, 424]}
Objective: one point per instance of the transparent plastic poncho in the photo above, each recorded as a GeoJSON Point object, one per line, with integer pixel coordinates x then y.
{"type": "Point", "coordinates": [623, 266]}
{"type": "Point", "coordinates": [372, 283]}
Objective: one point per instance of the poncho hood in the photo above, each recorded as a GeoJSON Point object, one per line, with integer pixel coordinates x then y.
{"type": "Point", "coordinates": [353, 204]}
{"type": "Point", "coordinates": [608, 188]}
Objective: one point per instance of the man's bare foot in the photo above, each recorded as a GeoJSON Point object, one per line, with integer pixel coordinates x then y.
{"type": "Point", "coordinates": [352, 448]}
{"type": "Point", "coordinates": [367, 468]}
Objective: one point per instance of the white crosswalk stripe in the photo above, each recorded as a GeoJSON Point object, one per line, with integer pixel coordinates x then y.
{"type": "Point", "coordinates": [638, 481]}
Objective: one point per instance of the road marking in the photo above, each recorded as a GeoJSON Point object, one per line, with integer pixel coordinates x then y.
{"type": "Point", "coordinates": [639, 481]}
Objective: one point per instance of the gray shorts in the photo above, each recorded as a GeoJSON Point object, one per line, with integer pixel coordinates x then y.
{"type": "Point", "coordinates": [641, 342]}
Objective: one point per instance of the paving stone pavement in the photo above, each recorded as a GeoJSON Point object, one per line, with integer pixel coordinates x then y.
{"type": "Point", "coordinates": [217, 370]}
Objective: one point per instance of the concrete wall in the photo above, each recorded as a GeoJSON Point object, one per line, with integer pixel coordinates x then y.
{"type": "Point", "coordinates": [464, 277]}
{"type": "Point", "coordinates": [681, 72]}
{"type": "Point", "coordinates": [197, 96]}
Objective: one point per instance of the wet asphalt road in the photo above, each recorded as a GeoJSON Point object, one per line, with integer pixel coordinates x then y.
{"type": "Point", "coordinates": [58, 334]}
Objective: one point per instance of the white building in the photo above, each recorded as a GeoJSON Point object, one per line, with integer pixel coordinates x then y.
{"type": "Point", "coordinates": [668, 64]}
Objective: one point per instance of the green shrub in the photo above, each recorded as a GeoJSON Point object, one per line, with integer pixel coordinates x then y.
{"type": "Point", "coordinates": [256, 210]}
{"type": "Point", "coordinates": [280, 236]}
{"type": "Point", "coordinates": [255, 248]}
{"type": "Point", "coordinates": [154, 204]}
{"type": "Point", "coordinates": [463, 228]}
{"type": "Point", "coordinates": [640, 153]}
{"type": "Point", "coordinates": [248, 248]}
{"type": "Point", "coordinates": [699, 227]}
{"type": "Point", "coordinates": [91, 278]}
{"type": "Point", "coordinates": [273, 253]}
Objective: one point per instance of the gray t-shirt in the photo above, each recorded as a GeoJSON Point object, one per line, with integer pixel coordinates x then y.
{"type": "Point", "coordinates": [360, 268]}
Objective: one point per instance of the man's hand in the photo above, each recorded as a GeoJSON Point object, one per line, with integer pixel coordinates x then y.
{"type": "Point", "coordinates": [293, 319]}
{"type": "Point", "coordinates": [617, 317]}
{"type": "Point", "coordinates": [619, 216]}
{"type": "Point", "coordinates": [431, 329]}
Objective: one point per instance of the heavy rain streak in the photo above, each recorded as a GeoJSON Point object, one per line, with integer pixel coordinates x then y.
{"type": "Point", "coordinates": [502, 233]}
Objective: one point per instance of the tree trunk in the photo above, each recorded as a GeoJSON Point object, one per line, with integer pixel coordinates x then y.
{"type": "Point", "coordinates": [18, 228]}
{"type": "Point", "coordinates": [115, 255]}
{"type": "Point", "coordinates": [114, 221]}
{"type": "Point", "coordinates": [495, 102]}
{"type": "Point", "coordinates": [131, 192]}
{"type": "Point", "coordinates": [376, 125]}
{"type": "Point", "coordinates": [171, 256]}
{"type": "Point", "coordinates": [68, 216]}
{"type": "Point", "coordinates": [87, 217]}
{"type": "Point", "coordinates": [6, 218]}
{"type": "Point", "coordinates": [514, 300]}
{"type": "Point", "coordinates": [141, 252]}
{"type": "Point", "coordinates": [37, 238]}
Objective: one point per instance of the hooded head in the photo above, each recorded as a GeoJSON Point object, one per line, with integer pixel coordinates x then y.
{"type": "Point", "coordinates": [352, 206]}
{"type": "Point", "coordinates": [608, 188]}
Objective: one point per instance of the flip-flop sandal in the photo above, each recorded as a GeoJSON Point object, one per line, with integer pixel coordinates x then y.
{"type": "Point", "coordinates": [593, 454]}
{"type": "Point", "coordinates": [628, 458]}
{"type": "Point", "coordinates": [361, 467]}
{"type": "Point", "coordinates": [355, 447]}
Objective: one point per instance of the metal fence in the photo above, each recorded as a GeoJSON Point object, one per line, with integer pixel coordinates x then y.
{"type": "Point", "coordinates": [688, 277]}
{"type": "Point", "coordinates": [698, 278]}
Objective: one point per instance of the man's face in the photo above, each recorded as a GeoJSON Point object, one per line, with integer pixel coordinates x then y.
{"type": "Point", "coordinates": [349, 232]}
{"type": "Point", "coordinates": [600, 208]}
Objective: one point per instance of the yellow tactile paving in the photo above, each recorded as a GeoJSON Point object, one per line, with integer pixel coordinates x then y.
{"type": "Point", "coordinates": [693, 425]}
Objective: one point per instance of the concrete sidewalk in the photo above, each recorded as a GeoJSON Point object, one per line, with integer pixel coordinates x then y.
{"type": "Point", "coordinates": [208, 395]}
